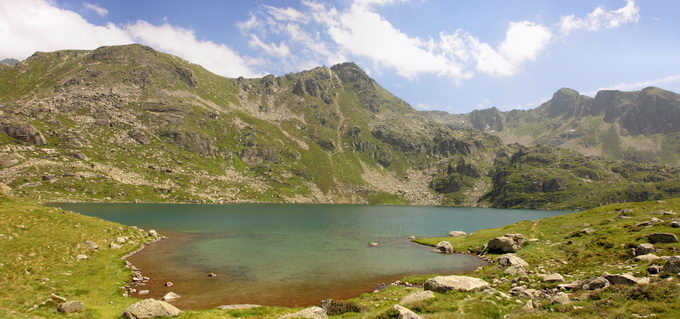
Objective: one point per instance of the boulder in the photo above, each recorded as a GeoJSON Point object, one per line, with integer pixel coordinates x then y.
{"type": "Point", "coordinates": [308, 313]}
{"type": "Point", "coordinates": [150, 308]}
{"type": "Point", "coordinates": [675, 224]}
{"type": "Point", "coordinates": [625, 279]}
{"type": "Point", "coordinates": [654, 269]}
{"type": "Point", "coordinates": [121, 239]}
{"type": "Point", "coordinates": [662, 238]}
{"type": "Point", "coordinates": [457, 233]}
{"type": "Point", "coordinates": [555, 277]}
{"type": "Point", "coordinates": [23, 132]}
{"type": "Point", "coordinates": [508, 260]}
{"type": "Point", "coordinates": [672, 266]}
{"type": "Point", "coordinates": [525, 292]}
{"type": "Point", "coordinates": [644, 249]}
{"type": "Point", "coordinates": [170, 296]}
{"type": "Point", "coordinates": [502, 245]}
{"type": "Point", "coordinates": [560, 298]}
{"type": "Point", "coordinates": [405, 313]}
{"type": "Point", "coordinates": [417, 296]}
{"type": "Point", "coordinates": [595, 283]}
{"type": "Point", "coordinates": [70, 306]}
{"type": "Point", "coordinates": [648, 258]}
{"type": "Point", "coordinates": [115, 246]}
{"type": "Point", "coordinates": [238, 307]}
{"type": "Point", "coordinates": [528, 306]}
{"type": "Point", "coordinates": [153, 233]}
{"type": "Point", "coordinates": [81, 257]}
{"type": "Point", "coordinates": [91, 244]}
{"type": "Point", "coordinates": [338, 307]}
{"type": "Point", "coordinates": [574, 285]}
{"type": "Point", "coordinates": [516, 271]}
{"type": "Point", "coordinates": [444, 247]}
{"type": "Point", "coordinates": [461, 283]}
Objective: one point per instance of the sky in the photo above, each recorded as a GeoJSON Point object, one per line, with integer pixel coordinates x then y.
{"type": "Point", "coordinates": [449, 55]}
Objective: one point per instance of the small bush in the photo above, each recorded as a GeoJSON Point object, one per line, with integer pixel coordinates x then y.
{"type": "Point", "coordinates": [660, 291]}
{"type": "Point", "coordinates": [339, 307]}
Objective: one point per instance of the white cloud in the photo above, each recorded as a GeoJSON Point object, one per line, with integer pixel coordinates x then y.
{"type": "Point", "coordinates": [38, 25]}
{"type": "Point", "coordinates": [96, 8]}
{"type": "Point", "coordinates": [486, 103]}
{"type": "Point", "coordinates": [330, 35]}
{"type": "Point", "coordinates": [601, 18]}
{"type": "Point", "coordinates": [280, 50]}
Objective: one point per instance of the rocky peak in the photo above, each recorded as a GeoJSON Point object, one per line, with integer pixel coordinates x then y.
{"type": "Point", "coordinates": [565, 102]}
{"type": "Point", "coordinates": [9, 61]}
{"type": "Point", "coordinates": [350, 72]}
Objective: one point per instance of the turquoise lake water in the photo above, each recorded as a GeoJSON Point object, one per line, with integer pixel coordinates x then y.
{"type": "Point", "coordinates": [292, 255]}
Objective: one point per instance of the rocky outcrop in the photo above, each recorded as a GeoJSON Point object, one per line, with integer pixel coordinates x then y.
{"type": "Point", "coordinates": [308, 313]}
{"type": "Point", "coordinates": [150, 308]}
{"type": "Point", "coordinates": [508, 243]}
{"type": "Point", "coordinates": [405, 313]}
{"type": "Point", "coordinates": [444, 247]}
{"type": "Point", "coordinates": [417, 296]}
{"type": "Point", "coordinates": [23, 132]}
{"type": "Point", "coordinates": [443, 284]}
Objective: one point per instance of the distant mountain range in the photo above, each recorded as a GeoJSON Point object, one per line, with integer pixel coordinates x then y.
{"type": "Point", "coordinates": [639, 126]}
{"type": "Point", "coordinates": [9, 61]}
{"type": "Point", "coordinates": [128, 123]}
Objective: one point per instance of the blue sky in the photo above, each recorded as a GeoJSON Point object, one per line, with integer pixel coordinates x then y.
{"type": "Point", "coordinates": [435, 54]}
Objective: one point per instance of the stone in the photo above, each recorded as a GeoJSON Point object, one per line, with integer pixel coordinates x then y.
{"type": "Point", "coordinates": [560, 298]}
{"type": "Point", "coordinates": [461, 283]}
{"type": "Point", "coordinates": [672, 266]}
{"type": "Point", "coordinates": [115, 246]}
{"type": "Point", "coordinates": [654, 269]}
{"type": "Point", "coordinates": [405, 313]}
{"type": "Point", "coordinates": [675, 224]}
{"type": "Point", "coordinates": [417, 296]}
{"type": "Point", "coordinates": [23, 132]}
{"type": "Point", "coordinates": [444, 247]}
{"type": "Point", "coordinates": [525, 292]}
{"type": "Point", "coordinates": [528, 306]}
{"type": "Point", "coordinates": [648, 258]}
{"type": "Point", "coordinates": [170, 296]}
{"type": "Point", "coordinates": [81, 257]}
{"type": "Point", "coordinates": [662, 238]}
{"type": "Point", "coordinates": [212, 275]}
{"type": "Point", "coordinates": [411, 237]}
{"type": "Point", "coordinates": [555, 277]}
{"type": "Point", "coordinates": [153, 233]}
{"type": "Point", "coordinates": [502, 245]}
{"type": "Point", "coordinates": [57, 298]}
{"type": "Point", "coordinates": [595, 283]}
{"type": "Point", "coordinates": [508, 260]}
{"type": "Point", "coordinates": [71, 306]}
{"type": "Point", "coordinates": [373, 244]}
{"type": "Point", "coordinates": [516, 271]}
{"type": "Point", "coordinates": [169, 284]}
{"type": "Point", "coordinates": [121, 239]}
{"type": "Point", "coordinates": [238, 307]}
{"type": "Point", "coordinates": [574, 285]}
{"type": "Point", "coordinates": [585, 231]}
{"type": "Point", "coordinates": [143, 292]}
{"type": "Point", "coordinates": [91, 244]}
{"type": "Point", "coordinates": [457, 233]}
{"type": "Point", "coordinates": [308, 313]}
{"type": "Point", "coordinates": [150, 308]}
{"type": "Point", "coordinates": [644, 249]}
{"type": "Point", "coordinates": [625, 279]}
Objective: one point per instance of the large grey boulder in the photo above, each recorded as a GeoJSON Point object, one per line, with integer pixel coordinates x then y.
{"type": "Point", "coordinates": [405, 313]}
{"type": "Point", "coordinates": [71, 306]}
{"type": "Point", "coordinates": [170, 296]}
{"type": "Point", "coordinates": [662, 238]}
{"type": "Point", "coordinates": [457, 233]}
{"type": "Point", "coordinates": [595, 283]}
{"type": "Point", "coordinates": [508, 243]}
{"type": "Point", "coordinates": [308, 313]}
{"type": "Point", "coordinates": [648, 258]}
{"type": "Point", "coordinates": [510, 259]}
{"type": "Point", "coordinates": [444, 247]}
{"type": "Point", "coordinates": [417, 296]}
{"type": "Point", "coordinates": [672, 266]}
{"type": "Point", "coordinates": [644, 249]}
{"type": "Point", "coordinates": [625, 279]}
{"type": "Point", "coordinates": [150, 308]}
{"type": "Point", "coordinates": [560, 298]}
{"type": "Point", "coordinates": [551, 277]}
{"type": "Point", "coordinates": [461, 283]}
{"type": "Point", "coordinates": [23, 132]}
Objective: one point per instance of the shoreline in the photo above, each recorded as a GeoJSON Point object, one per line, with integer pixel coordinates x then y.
{"type": "Point", "coordinates": [137, 279]}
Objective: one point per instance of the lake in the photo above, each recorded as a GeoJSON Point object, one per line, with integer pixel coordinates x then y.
{"type": "Point", "coordinates": [292, 255]}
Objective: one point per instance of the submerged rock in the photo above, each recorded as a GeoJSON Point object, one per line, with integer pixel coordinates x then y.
{"type": "Point", "coordinates": [461, 283]}
{"type": "Point", "coordinates": [150, 308]}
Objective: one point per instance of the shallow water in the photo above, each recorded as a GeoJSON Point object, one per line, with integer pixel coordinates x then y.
{"type": "Point", "coordinates": [292, 255]}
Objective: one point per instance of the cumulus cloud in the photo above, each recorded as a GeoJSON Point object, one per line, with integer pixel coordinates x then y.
{"type": "Point", "coordinates": [600, 18]}
{"type": "Point", "coordinates": [359, 32]}
{"type": "Point", "coordinates": [38, 25]}
{"type": "Point", "coordinates": [96, 8]}
{"type": "Point", "coordinates": [627, 86]}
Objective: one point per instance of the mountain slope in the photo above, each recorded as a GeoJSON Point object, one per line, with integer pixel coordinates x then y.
{"type": "Point", "coordinates": [639, 126]}
{"type": "Point", "coordinates": [127, 123]}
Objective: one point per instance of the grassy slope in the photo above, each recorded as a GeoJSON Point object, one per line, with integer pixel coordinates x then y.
{"type": "Point", "coordinates": [45, 241]}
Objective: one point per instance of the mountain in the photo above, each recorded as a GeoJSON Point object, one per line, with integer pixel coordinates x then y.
{"type": "Point", "coordinates": [128, 123]}
{"type": "Point", "coordinates": [638, 126]}
{"type": "Point", "coordinates": [10, 62]}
